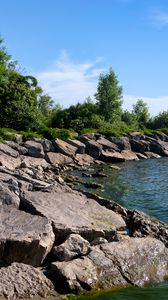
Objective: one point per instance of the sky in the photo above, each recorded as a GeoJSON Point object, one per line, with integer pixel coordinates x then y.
{"type": "Point", "coordinates": [66, 44]}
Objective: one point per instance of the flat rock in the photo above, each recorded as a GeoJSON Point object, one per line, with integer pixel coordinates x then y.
{"type": "Point", "coordinates": [28, 162]}
{"type": "Point", "coordinates": [129, 155]}
{"type": "Point", "coordinates": [23, 237]}
{"type": "Point", "coordinates": [111, 157]}
{"type": "Point", "coordinates": [23, 281]}
{"type": "Point", "coordinates": [83, 159]}
{"type": "Point", "coordinates": [106, 144]}
{"type": "Point", "coordinates": [65, 148]}
{"type": "Point", "coordinates": [122, 143]}
{"type": "Point", "coordinates": [9, 162]}
{"type": "Point", "coordinates": [9, 197]}
{"type": "Point", "coordinates": [72, 212]}
{"type": "Point", "coordinates": [93, 148]}
{"type": "Point", "coordinates": [133, 261]}
{"type": "Point", "coordinates": [8, 150]}
{"type": "Point", "coordinates": [22, 150]}
{"type": "Point", "coordinates": [58, 158]}
{"type": "Point", "coordinates": [151, 154]}
{"type": "Point", "coordinates": [74, 246]}
{"type": "Point", "coordinates": [79, 145]}
{"type": "Point", "coordinates": [34, 148]}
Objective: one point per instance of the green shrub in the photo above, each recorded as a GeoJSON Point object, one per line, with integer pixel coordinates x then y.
{"type": "Point", "coordinates": [30, 134]}
{"type": "Point", "coordinates": [53, 133]}
{"type": "Point", "coordinates": [7, 134]}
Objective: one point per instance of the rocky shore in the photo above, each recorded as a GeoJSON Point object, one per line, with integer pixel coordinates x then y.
{"type": "Point", "coordinates": [55, 240]}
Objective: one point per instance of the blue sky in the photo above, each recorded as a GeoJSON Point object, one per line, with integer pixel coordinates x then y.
{"type": "Point", "coordinates": [68, 43]}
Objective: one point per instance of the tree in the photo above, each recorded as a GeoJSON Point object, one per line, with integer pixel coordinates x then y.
{"type": "Point", "coordinates": [159, 121]}
{"type": "Point", "coordinates": [109, 97]}
{"type": "Point", "coordinates": [141, 112]}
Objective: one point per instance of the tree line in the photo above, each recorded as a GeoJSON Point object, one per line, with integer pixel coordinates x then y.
{"type": "Point", "coordinates": [24, 106]}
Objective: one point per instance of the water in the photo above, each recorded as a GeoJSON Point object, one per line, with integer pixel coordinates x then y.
{"type": "Point", "coordinates": [141, 185]}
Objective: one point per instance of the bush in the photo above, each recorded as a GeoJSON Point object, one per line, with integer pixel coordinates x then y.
{"type": "Point", "coordinates": [7, 134]}
{"type": "Point", "coordinates": [53, 133]}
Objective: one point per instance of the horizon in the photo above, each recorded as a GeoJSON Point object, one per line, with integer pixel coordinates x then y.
{"type": "Point", "coordinates": [67, 45]}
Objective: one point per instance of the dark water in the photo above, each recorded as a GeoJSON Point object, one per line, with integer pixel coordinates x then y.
{"type": "Point", "coordinates": [142, 185]}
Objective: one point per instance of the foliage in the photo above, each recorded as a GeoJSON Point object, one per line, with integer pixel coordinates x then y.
{"type": "Point", "coordinates": [53, 133]}
{"type": "Point", "coordinates": [7, 134]}
{"type": "Point", "coordinates": [109, 97]}
{"type": "Point", "coordinates": [141, 113]}
{"type": "Point", "coordinates": [160, 121]}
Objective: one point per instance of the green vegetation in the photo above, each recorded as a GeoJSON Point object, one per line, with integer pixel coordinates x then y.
{"type": "Point", "coordinates": [25, 107]}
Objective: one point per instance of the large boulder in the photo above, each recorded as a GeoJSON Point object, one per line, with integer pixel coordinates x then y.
{"type": "Point", "coordinates": [74, 246]}
{"type": "Point", "coordinates": [111, 157]}
{"type": "Point", "coordinates": [20, 281]}
{"type": "Point", "coordinates": [7, 150]}
{"type": "Point", "coordinates": [72, 212]}
{"type": "Point", "coordinates": [139, 145]}
{"type": "Point", "coordinates": [133, 261]}
{"type": "Point", "coordinates": [93, 148]}
{"type": "Point", "coordinates": [129, 155]}
{"type": "Point", "coordinates": [33, 162]}
{"type": "Point", "coordinates": [79, 145]}
{"type": "Point", "coordinates": [34, 148]}
{"type": "Point", "coordinates": [22, 150]}
{"type": "Point", "coordinates": [9, 162]}
{"type": "Point", "coordinates": [58, 158]}
{"type": "Point", "coordinates": [142, 225]}
{"type": "Point", "coordinates": [65, 148]}
{"type": "Point", "coordinates": [122, 143]}
{"type": "Point", "coordinates": [24, 237]}
{"type": "Point", "coordinates": [9, 197]}
{"type": "Point", "coordinates": [106, 144]}
{"type": "Point", "coordinates": [83, 159]}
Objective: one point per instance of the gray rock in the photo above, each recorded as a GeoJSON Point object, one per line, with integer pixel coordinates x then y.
{"type": "Point", "coordinates": [24, 237]}
{"type": "Point", "coordinates": [23, 281]}
{"type": "Point", "coordinates": [93, 148]}
{"type": "Point", "coordinates": [142, 225]}
{"type": "Point", "coordinates": [58, 159]}
{"type": "Point", "coordinates": [4, 148]}
{"type": "Point", "coordinates": [133, 261]}
{"type": "Point", "coordinates": [33, 162]}
{"type": "Point", "coordinates": [8, 196]}
{"type": "Point", "coordinates": [65, 148]}
{"type": "Point", "coordinates": [72, 212]}
{"type": "Point", "coordinates": [74, 246]}
{"type": "Point", "coordinates": [9, 162]}
{"type": "Point", "coordinates": [22, 150]}
{"type": "Point", "coordinates": [35, 149]}
{"type": "Point", "coordinates": [83, 159]}
{"type": "Point", "coordinates": [47, 145]}
{"type": "Point", "coordinates": [151, 154]}
{"type": "Point", "coordinates": [79, 145]}
{"type": "Point", "coordinates": [106, 144]}
{"type": "Point", "coordinates": [98, 241]}
{"type": "Point", "coordinates": [111, 157]}
{"type": "Point", "coordinates": [139, 146]}
{"type": "Point", "coordinates": [129, 155]}
{"type": "Point", "coordinates": [122, 143]}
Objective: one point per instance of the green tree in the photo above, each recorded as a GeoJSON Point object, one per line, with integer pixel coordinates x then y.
{"type": "Point", "coordinates": [159, 121]}
{"type": "Point", "coordinates": [141, 112]}
{"type": "Point", "coordinates": [109, 97]}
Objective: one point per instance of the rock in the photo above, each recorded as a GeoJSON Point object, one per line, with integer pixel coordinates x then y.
{"type": "Point", "coordinates": [58, 159]}
{"type": "Point", "coordinates": [93, 185]}
{"type": "Point", "coordinates": [74, 246]}
{"type": "Point", "coordinates": [47, 145]}
{"type": "Point", "coordinates": [142, 225]}
{"type": "Point", "coordinates": [83, 159]}
{"type": "Point", "coordinates": [106, 144]}
{"type": "Point", "coordinates": [132, 261]}
{"type": "Point", "coordinates": [18, 138]}
{"type": "Point", "coordinates": [98, 241]}
{"type": "Point", "coordinates": [65, 148]}
{"type": "Point", "coordinates": [8, 197]}
{"type": "Point", "coordinates": [115, 167]}
{"type": "Point", "coordinates": [141, 156]}
{"type": "Point", "coordinates": [24, 237]}
{"type": "Point", "coordinates": [22, 150]}
{"type": "Point", "coordinates": [151, 154]}
{"type": "Point", "coordinates": [9, 162]}
{"type": "Point", "coordinates": [111, 157]}
{"type": "Point", "coordinates": [23, 281]}
{"type": "Point", "coordinates": [4, 148]}
{"type": "Point", "coordinates": [122, 143]}
{"type": "Point", "coordinates": [72, 212]}
{"type": "Point", "coordinates": [35, 149]}
{"type": "Point", "coordinates": [93, 148]}
{"type": "Point", "coordinates": [129, 155]}
{"type": "Point", "coordinates": [33, 162]}
{"type": "Point", "coordinates": [84, 138]}
{"type": "Point", "coordinates": [98, 174]}
{"type": "Point", "coordinates": [79, 145]}
{"type": "Point", "coordinates": [140, 146]}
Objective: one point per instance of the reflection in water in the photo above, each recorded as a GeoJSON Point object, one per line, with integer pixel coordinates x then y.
{"type": "Point", "coordinates": [139, 185]}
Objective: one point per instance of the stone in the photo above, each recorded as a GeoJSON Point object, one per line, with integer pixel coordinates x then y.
{"type": "Point", "coordinates": [141, 156]}
{"type": "Point", "coordinates": [4, 148]}
{"type": "Point", "coordinates": [142, 225]}
{"type": "Point", "coordinates": [23, 281]}
{"type": "Point", "coordinates": [132, 261]}
{"type": "Point", "coordinates": [139, 146]}
{"type": "Point", "coordinates": [74, 246]}
{"type": "Point", "coordinates": [93, 148]}
{"type": "Point", "coordinates": [151, 154]}
{"type": "Point", "coordinates": [22, 150]}
{"type": "Point", "coordinates": [23, 237]}
{"type": "Point", "coordinates": [9, 162]}
{"type": "Point", "coordinates": [65, 148]}
{"type": "Point", "coordinates": [83, 159]}
{"type": "Point", "coordinates": [35, 149]}
{"type": "Point", "coordinates": [8, 196]}
{"type": "Point", "coordinates": [98, 241]}
{"type": "Point", "coordinates": [47, 145]}
{"type": "Point", "coordinates": [33, 162]}
{"type": "Point", "coordinates": [106, 144]}
{"type": "Point", "coordinates": [72, 212]}
{"type": "Point", "coordinates": [58, 159]}
{"type": "Point", "coordinates": [79, 145]}
{"type": "Point", "coordinates": [122, 143]}
{"type": "Point", "coordinates": [111, 157]}
{"type": "Point", "coordinates": [129, 155]}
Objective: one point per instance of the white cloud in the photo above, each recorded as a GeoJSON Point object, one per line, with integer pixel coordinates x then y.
{"type": "Point", "coordinates": [155, 105]}
{"type": "Point", "coordinates": [69, 82]}
{"type": "Point", "coordinates": [159, 18]}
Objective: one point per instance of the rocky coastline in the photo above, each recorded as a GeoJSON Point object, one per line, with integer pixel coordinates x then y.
{"type": "Point", "coordinates": [55, 240]}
